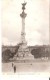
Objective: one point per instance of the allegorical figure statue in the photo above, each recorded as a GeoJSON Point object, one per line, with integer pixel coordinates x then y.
{"type": "Point", "coordinates": [23, 6]}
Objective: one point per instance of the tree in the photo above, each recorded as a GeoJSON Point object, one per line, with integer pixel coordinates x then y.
{"type": "Point", "coordinates": [36, 52]}
{"type": "Point", "coordinates": [6, 55]}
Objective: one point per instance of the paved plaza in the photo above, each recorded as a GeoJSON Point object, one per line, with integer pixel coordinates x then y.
{"type": "Point", "coordinates": [35, 66]}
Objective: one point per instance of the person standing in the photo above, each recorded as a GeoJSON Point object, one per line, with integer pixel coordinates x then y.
{"type": "Point", "coordinates": [14, 69]}
{"type": "Point", "coordinates": [12, 64]}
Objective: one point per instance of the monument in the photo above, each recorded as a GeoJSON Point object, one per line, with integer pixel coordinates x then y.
{"type": "Point", "coordinates": [23, 51]}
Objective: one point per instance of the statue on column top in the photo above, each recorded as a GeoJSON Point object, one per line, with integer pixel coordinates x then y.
{"type": "Point", "coordinates": [23, 5]}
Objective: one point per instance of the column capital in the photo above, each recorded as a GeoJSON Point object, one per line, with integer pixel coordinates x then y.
{"type": "Point", "coordinates": [23, 14]}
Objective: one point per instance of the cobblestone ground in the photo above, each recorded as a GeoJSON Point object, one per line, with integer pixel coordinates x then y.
{"type": "Point", "coordinates": [35, 66]}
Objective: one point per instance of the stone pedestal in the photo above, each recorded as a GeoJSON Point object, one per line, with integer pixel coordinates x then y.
{"type": "Point", "coordinates": [23, 53]}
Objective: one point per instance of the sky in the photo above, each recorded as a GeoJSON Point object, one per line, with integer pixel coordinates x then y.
{"type": "Point", "coordinates": [36, 22]}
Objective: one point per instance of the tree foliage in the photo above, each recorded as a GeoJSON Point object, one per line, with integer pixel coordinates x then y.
{"type": "Point", "coordinates": [6, 55]}
{"type": "Point", "coordinates": [40, 52]}
{"type": "Point", "coordinates": [36, 52]}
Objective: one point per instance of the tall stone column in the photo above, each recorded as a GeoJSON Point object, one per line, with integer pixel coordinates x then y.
{"type": "Point", "coordinates": [23, 16]}
{"type": "Point", "coordinates": [23, 51]}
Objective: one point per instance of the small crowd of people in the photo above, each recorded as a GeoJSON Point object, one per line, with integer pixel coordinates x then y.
{"type": "Point", "coordinates": [14, 67]}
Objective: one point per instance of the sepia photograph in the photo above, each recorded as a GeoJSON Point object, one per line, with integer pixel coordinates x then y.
{"type": "Point", "coordinates": [25, 36]}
